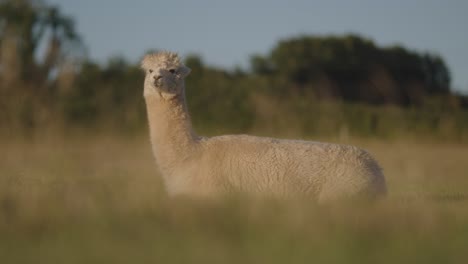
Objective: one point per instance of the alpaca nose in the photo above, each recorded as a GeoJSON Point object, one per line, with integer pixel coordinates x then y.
{"type": "Point", "coordinates": [157, 77]}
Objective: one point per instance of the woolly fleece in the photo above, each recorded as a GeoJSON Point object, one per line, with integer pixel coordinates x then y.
{"type": "Point", "coordinates": [232, 164]}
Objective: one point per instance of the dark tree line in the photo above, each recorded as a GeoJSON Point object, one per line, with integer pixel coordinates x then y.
{"type": "Point", "coordinates": [352, 68]}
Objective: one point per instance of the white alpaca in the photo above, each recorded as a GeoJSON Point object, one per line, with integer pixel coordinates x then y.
{"type": "Point", "coordinates": [197, 166]}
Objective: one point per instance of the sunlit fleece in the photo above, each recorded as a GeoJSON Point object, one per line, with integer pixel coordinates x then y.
{"type": "Point", "coordinates": [240, 164]}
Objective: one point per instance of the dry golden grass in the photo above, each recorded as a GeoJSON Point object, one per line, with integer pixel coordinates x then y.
{"type": "Point", "coordinates": [100, 200]}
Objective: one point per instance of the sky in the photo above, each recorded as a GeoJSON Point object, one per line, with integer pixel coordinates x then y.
{"type": "Point", "coordinates": [227, 33]}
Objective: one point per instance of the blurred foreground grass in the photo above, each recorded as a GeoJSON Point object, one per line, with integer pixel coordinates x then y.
{"type": "Point", "coordinates": [100, 200]}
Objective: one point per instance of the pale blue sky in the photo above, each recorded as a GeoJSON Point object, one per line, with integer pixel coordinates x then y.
{"type": "Point", "coordinates": [226, 33]}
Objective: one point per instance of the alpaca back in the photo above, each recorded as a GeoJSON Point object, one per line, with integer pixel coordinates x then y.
{"type": "Point", "coordinates": [248, 164]}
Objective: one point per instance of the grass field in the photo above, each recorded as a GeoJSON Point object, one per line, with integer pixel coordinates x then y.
{"type": "Point", "coordinates": [100, 200]}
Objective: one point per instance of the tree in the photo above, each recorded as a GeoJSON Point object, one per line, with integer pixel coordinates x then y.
{"type": "Point", "coordinates": [25, 25]}
{"type": "Point", "coordinates": [353, 68]}
{"type": "Point", "coordinates": [29, 72]}
{"type": "Point", "coordinates": [437, 75]}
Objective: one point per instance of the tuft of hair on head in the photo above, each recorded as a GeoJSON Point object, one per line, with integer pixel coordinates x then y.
{"type": "Point", "coordinates": [162, 57]}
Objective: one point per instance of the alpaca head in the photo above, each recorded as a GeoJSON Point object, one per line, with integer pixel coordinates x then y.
{"type": "Point", "coordinates": [165, 74]}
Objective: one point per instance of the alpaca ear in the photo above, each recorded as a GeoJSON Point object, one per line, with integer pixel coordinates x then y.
{"type": "Point", "coordinates": [145, 62]}
{"type": "Point", "coordinates": [184, 71]}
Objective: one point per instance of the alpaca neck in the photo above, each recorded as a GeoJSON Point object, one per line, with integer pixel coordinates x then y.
{"type": "Point", "coordinates": [171, 133]}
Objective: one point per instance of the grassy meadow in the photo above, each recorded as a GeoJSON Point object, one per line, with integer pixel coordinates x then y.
{"type": "Point", "coordinates": [78, 183]}
{"type": "Point", "coordinates": [99, 199]}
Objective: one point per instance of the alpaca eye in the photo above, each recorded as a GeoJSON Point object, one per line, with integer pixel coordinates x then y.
{"type": "Point", "coordinates": [172, 71]}
{"type": "Point", "coordinates": [150, 71]}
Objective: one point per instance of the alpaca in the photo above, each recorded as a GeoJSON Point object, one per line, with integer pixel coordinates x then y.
{"type": "Point", "coordinates": [199, 166]}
